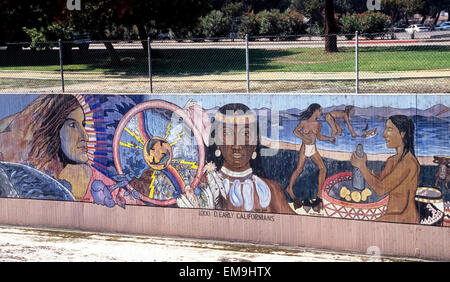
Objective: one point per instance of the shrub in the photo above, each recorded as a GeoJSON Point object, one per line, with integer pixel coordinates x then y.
{"type": "Point", "coordinates": [295, 22]}
{"type": "Point", "coordinates": [248, 25]}
{"type": "Point", "coordinates": [374, 23]}
{"type": "Point", "coordinates": [269, 22]}
{"type": "Point", "coordinates": [272, 23]}
{"type": "Point", "coordinates": [350, 24]}
{"type": "Point", "coordinates": [215, 24]}
{"type": "Point", "coordinates": [369, 23]}
{"type": "Point", "coordinates": [37, 37]}
{"type": "Point", "coordinates": [46, 38]}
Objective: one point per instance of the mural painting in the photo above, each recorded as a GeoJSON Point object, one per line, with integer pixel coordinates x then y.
{"type": "Point", "coordinates": [368, 157]}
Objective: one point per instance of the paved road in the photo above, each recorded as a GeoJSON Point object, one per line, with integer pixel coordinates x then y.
{"type": "Point", "coordinates": [38, 244]}
{"type": "Point", "coordinates": [435, 38]}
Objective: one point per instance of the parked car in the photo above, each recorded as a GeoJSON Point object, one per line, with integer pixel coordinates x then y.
{"type": "Point", "coordinates": [163, 36]}
{"type": "Point", "coordinates": [443, 26]}
{"type": "Point", "coordinates": [416, 28]}
{"type": "Point", "coordinates": [399, 27]}
{"type": "Point", "coordinates": [81, 40]}
{"type": "Point", "coordinates": [394, 29]}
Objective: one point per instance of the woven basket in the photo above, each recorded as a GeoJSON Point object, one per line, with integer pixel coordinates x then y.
{"type": "Point", "coordinates": [342, 209]}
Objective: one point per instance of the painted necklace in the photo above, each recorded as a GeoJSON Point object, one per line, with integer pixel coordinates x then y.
{"type": "Point", "coordinates": [241, 190]}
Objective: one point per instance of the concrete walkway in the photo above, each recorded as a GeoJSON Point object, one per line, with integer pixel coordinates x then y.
{"type": "Point", "coordinates": [254, 76]}
{"type": "Point", "coordinates": [39, 244]}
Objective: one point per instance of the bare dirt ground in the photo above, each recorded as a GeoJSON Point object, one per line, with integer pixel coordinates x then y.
{"type": "Point", "coordinates": [268, 82]}
{"type": "Point", "coordinates": [23, 244]}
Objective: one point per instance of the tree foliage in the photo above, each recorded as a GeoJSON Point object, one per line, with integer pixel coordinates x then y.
{"type": "Point", "coordinates": [133, 19]}
{"type": "Point", "coordinates": [215, 24]}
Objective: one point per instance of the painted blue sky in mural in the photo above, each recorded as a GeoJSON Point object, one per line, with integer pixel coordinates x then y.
{"type": "Point", "coordinates": [301, 101]}
{"type": "Point", "coordinates": [282, 102]}
{"type": "Point", "coordinates": [431, 129]}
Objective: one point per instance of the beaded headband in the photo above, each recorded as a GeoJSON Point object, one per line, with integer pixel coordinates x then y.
{"type": "Point", "coordinates": [236, 117]}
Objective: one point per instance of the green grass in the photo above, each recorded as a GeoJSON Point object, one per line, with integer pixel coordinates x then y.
{"type": "Point", "coordinates": [206, 61]}
{"type": "Point", "coordinates": [370, 59]}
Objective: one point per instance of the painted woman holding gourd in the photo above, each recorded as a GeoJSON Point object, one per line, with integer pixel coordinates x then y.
{"type": "Point", "coordinates": [400, 175]}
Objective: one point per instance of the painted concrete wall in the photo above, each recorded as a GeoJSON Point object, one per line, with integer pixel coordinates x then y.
{"type": "Point", "coordinates": [343, 172]}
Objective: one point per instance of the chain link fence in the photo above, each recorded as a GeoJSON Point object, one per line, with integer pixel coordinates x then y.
{"type": "Point", "coordinates": [366, 63]}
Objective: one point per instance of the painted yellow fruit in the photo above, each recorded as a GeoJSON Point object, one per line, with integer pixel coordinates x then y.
{"type": "Point", "coordinates": [365, 193]}
{"type": "Point", "coordinates": [348, 198]}
{"type": "Point", "coordinates": [356, 196]}
{"type": "Point", "coordinates": [344, 192]}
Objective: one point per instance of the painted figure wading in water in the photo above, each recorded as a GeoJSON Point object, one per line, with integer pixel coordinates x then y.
{"type": "Point", "coordinates": [309, 129]}
{"type": "Point", "coordinates": [339, 114]}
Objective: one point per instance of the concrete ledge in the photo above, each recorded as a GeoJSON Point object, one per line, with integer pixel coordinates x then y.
{"type": "Point", "coordinates": [390, 239]}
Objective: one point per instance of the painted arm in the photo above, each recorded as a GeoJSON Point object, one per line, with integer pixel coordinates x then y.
{"type": "Point", "coordinates": [298, 130]}
{"type": "Point", "coordinates": [323, 137]}
{"type": "Point", "coordinates": [390, 178]}
{"type": "Point", "coordinates": [349, 125]}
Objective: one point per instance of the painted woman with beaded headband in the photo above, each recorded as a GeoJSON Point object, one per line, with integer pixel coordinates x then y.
{"type": "Point", "coordinates": [234, 164]}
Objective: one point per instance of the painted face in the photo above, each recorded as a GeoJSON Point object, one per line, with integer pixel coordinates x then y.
{"type": "Point", "coordinates": [74, 137]}
{"type": "Point", "coordinates": [318, 113]}
{"type": "Point", "coordinates": [352, 112]}
{"type": "Point", "coordinates": [239, 143]}
{"type": "Point", "coordinates": [393, 137]}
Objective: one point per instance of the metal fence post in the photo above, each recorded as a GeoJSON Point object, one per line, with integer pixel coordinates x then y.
{"type": "Point", "coordinates": [150, 64]}
{"type": "Point", "coordinates": [356, 62]}
{"type": "Point", "coordinates": [61, 63]}
{"type": "Point", "coordinates": [247, 64]}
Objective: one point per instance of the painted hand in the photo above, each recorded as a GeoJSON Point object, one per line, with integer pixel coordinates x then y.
{"type": "Point", "coordinates": [357, 161]}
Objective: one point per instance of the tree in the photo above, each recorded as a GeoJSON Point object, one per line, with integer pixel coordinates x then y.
{"type": "Point", "coordinates": [349, 6]}
{"type": "Point", "coordinates": [320, 11]}
{"type": "Point", "coordinates": [310, 8]}
{"type": "Point", "coordinates": [16, 14]}
{"type": "Point", "coordinates": [330, 27]}
{"type": "Point", "coordinates": [398, 9]}
{"type": "Point", "coordinates": [256, 6]}
{"type": "Point", "coordinates": [233, 10]}
{"type": "Point", "coordinates": [95, 18]}
{"type": "Point", "coordinates": [433, 8]}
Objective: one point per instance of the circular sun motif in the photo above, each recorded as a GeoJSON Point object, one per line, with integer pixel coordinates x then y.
{"type": "Point", "coordinates": [157, 153]}
{"type": "Point", "coordinates": [157, 146]}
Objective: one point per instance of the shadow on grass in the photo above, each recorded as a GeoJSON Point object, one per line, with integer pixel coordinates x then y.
{"type": "Point", "coordinates": [210, 61]}
{"type": "Point", "coordinates": [134, 62]}
{"type": "Point", "coordinates": [185, 62]}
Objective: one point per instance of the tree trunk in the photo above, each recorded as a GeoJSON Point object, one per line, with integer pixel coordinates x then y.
{"type": "Point", "coordinates": [143, 36]}
{"type": "Point", "coordinates": [67, 53]}
{"type": "Point", "coordinates": [330, 27]}
{"type": "Point", "coordinates": [435, 20]}
{"type": "Point", "coordinates": [115, 59]}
